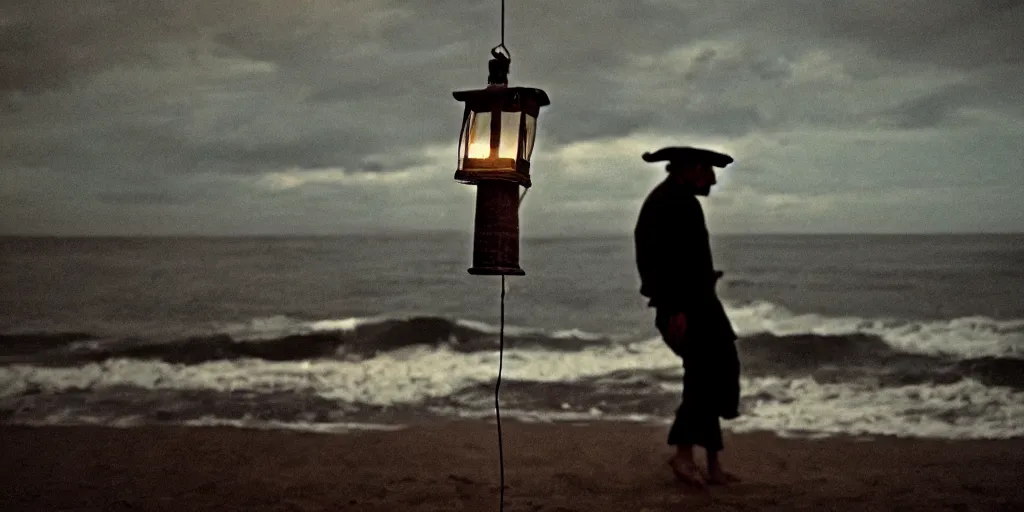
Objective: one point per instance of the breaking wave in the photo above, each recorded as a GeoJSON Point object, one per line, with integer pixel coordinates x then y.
{"type": "Point", "coordinates": [802, 373]}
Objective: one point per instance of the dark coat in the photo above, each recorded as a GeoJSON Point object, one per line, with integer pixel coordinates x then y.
{"type": "Point", "coordinates": [673, 257]}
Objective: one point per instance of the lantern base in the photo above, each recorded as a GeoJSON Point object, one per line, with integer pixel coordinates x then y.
{"type": "Point", "coordinates": [475, 177]}
{"type": "Point", "coordinates": [497, 271]}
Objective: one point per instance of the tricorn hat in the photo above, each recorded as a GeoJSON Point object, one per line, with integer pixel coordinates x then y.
{"type": "Point", "coordinates": [688, 155]}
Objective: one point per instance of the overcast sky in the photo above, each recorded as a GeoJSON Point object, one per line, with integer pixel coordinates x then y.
{"type": "Point", "coordinates": [242, 117]}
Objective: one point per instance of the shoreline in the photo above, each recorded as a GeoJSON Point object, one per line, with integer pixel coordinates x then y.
{"type": "Point", "coordinates": [453, 465]}
{"type": "Point", "coordinates": [408, 422]}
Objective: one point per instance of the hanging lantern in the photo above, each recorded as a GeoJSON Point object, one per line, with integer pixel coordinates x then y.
{"type": "Point", "coordinates": [499, 126]}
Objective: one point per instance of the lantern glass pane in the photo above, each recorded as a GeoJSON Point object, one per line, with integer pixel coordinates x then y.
{"type": "Point", "coordinates": [508, 147]}
{"type": "Point", "coordinates": [464, 140]}
{"type": "Point", "coordinates": [478, 138]}
{"type": "Point", "coordinates": [529, 133]}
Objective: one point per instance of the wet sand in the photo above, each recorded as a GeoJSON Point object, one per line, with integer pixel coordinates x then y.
{"type": "Point", "coordinates": [454, 466]}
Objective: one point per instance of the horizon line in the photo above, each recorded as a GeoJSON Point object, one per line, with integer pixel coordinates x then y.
{"type": "Point", "coordinates": [595, 234]}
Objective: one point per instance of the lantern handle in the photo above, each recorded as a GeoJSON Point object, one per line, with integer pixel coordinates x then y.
{"type": "Point", "coordinates": [507, 55]}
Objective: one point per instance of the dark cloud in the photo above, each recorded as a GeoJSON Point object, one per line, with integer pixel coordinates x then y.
{"type": "Point", "coordinates": [135, 103]}
{"type": "Point", "coordinates": [998, 90]}
{"type": "Point", "coordinates": [967, 34]}
{"type": "Point", "coordinates": [927, 111]}
{"type": "Point", "coordinates": [47, 44]}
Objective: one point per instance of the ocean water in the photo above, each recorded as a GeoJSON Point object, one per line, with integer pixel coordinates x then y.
{"type": "Point", "coordinates": [900, 335]}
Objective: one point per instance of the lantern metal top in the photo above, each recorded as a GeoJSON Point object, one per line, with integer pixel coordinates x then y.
{"type": "Point", "coordinates": [509, 99]}
{"type": "Point", "coordinates": [503, 92]}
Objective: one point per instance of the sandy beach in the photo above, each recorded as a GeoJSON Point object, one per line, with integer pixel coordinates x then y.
{"type": "Point", "coordinates": [454, 466]}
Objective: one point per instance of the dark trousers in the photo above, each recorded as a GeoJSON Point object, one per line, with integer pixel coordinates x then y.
{"type": "Point", "coordinates": [694, 424]}
{"type": "Point", "coordinates": [697, 418]}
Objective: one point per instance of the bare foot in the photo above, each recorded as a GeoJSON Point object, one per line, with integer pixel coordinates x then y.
{"type": "Point", "coordinates": [719, 476]}
{"type": "Point", "coordinates": [687, 472]}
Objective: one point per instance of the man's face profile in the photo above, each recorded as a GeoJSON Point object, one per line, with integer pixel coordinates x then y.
{"type": "Point", "coordinates": [699, 177]}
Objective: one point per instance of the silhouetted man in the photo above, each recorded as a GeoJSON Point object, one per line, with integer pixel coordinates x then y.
{"type": "Point", "coordinates": [673, 257]}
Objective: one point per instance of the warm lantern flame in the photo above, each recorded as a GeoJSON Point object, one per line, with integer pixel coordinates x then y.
{"type": "Point", "coordinates": [479, 150]}
{"type": "Point", "coordinates": [483, 150]}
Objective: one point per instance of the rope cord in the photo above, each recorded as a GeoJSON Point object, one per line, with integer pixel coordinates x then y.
{"type": "Point", "coordinates": [501, 335]}
{"type": "Point", "coordinates": [497, 387]}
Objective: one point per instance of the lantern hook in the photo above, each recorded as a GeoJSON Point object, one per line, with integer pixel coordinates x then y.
{"type": "Point", "coordinates": [498, 66]}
